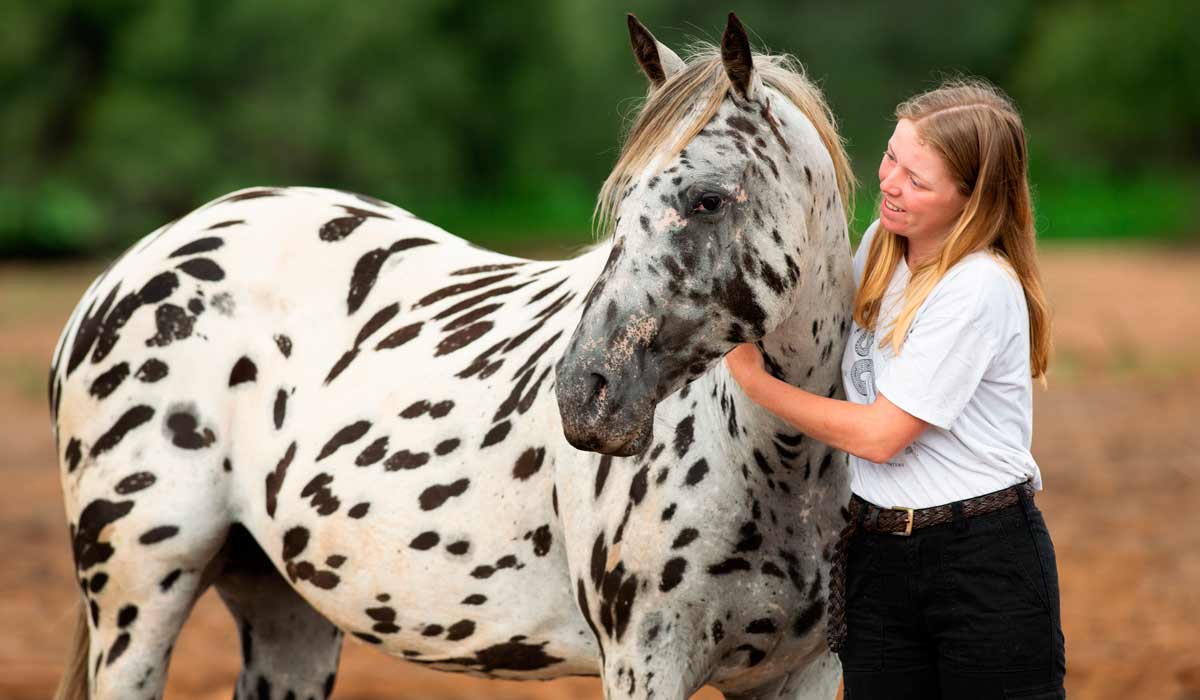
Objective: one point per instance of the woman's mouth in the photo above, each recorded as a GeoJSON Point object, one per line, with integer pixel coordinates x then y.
{"type": "Point", "coordinates": [891, 207]}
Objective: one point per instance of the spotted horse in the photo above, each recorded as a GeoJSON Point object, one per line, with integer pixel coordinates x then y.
{"type": "Point", "coordinates": [350, 421]}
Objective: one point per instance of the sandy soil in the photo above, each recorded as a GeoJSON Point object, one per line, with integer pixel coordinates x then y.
{"type": "Point", "coordinates": [1114, 435]}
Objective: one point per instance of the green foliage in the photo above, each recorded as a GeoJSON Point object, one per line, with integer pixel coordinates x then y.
{"type": "Point", "coordinates": [499, 121]}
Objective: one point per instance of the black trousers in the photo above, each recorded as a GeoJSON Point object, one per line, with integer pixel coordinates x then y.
{"type": "Point", "coordinates": [966, 609]}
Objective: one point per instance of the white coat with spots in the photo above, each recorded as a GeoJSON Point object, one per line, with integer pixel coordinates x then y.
{"type": "Point", "coordinates": [350, 421]}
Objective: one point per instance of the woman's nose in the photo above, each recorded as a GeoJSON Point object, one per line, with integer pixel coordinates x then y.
{"type": "Point", "coordinates": [890, 182]}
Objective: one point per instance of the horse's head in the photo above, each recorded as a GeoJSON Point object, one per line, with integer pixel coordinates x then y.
{"type": "Point", "coordinates": [725, 183]}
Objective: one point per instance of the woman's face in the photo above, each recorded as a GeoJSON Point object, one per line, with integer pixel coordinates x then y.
{"type": "Point", "coordinates": [920, 198]}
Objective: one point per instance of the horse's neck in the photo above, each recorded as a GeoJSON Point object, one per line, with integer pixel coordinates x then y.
{"type": "Point", "coordinates": [798, 355]}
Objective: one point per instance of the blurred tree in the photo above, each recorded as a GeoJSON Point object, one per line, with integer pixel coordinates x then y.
{"type": "Point", "coordinates": [503, 119]}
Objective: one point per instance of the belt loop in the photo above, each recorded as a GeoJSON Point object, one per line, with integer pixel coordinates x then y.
{"type": "Point", "coordinates": [873, 521]}
{"type": "Point", "coordinates": [1023, 497]}
{"type": "Point", "coordinates": [960, 523]}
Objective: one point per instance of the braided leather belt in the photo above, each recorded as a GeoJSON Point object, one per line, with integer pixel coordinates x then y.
{"type": "Point", "coordinates": [899, 520]}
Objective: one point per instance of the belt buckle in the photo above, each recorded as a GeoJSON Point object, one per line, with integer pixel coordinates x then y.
{"type": "Point", "coordinates": [908, 529]}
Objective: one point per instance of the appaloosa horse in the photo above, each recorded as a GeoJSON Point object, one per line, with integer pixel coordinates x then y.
{"type": "Point", "coordinates": [349, 420]}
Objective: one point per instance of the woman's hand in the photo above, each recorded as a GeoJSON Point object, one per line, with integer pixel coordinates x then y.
{"type": "Point", "coordinates": [745, 363]}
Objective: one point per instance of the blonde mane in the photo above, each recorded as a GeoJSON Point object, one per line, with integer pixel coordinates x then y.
{"type": "Point", "coordinates": [693, 96]}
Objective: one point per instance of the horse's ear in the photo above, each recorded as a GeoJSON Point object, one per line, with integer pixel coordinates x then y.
{"type": "Point", "coordinates": [738, 60]}
{"type": "Point", "coordinates": [657, 61]}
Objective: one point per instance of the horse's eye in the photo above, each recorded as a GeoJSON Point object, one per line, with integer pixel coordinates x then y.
{"type": "Point", "coordinates": [710, 203]}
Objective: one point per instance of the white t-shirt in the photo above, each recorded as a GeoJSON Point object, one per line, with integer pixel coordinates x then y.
{"type": "Point", "coordinates": [964, 369]}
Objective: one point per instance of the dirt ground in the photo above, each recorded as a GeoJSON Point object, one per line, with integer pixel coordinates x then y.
{"type": "Point", "coordinates": [1115, 436]}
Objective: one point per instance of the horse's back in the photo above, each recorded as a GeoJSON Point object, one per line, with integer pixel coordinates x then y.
{"type": "Point", "coordinates": [369, 395]}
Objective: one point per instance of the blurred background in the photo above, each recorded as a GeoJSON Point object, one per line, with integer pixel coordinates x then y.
{"type": "Point", "coordinates": [499, 122]}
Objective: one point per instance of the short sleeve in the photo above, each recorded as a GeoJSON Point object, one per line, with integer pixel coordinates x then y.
{"type": "Point", "coordinates": [939, 367]}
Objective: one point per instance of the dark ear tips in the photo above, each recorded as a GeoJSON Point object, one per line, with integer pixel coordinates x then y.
{"type": "Point", "coordinates": [656, 60]}
{"type": "Point", "coordinates": [737, 57]}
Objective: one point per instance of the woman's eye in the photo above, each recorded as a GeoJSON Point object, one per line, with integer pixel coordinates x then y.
{"type": "Point", "coordinates": [916, 184]}
{"type": "Point", "coordinates": [889, 155]}
{"type": "Point", "coordinates": [709, 203]}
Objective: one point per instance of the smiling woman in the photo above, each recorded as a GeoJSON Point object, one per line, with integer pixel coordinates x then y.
{"type": "Point", "coordinates": [949, 330]}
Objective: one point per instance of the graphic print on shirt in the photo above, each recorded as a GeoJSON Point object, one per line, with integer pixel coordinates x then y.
{"type": "Point", "coordinates": [862, 372]}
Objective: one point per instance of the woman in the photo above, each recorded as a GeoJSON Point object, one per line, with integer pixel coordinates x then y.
{"type": "Point", "coordinates": [950, 327]}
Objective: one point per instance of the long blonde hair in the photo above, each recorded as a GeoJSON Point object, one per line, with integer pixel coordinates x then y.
{"type": "Point", "coordinates": [978, 133]}
{"type": "Point", "coordinates": [693, 96]}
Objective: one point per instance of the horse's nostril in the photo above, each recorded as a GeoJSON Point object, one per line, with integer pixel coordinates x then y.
{"type": "Point", "coordinates": [599, 384]}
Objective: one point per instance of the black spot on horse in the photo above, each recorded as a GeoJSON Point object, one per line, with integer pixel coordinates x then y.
{"type": "Point", "coordinates": [462, 338]}
{"type": "Point", "coordinates": [808, 617]}
{"type": "Point", "coordinates": [295, 540]}
{"type": "Point", "coordinates": [204, 269]}
{"type": "Point", "coordinates": [359, 510]}
{"type": "Point", "coordinates": [372, 453]}
{"type": "Point", "coordinates": [602, 473]}
{"type": "Point", "coordinates": [279, 411]}
{"type": "Point", "coordinates": [86, 545]}
{"type": "Point", "coordinates": [486, 268]}
{"type": "Point", "coordinates": [345, 436]}
{"type": "Point", "coordinates": [445, 447]}
{"type": "Point", "coordinates": [825, 464]}
{"type": "Point", "coordinates": [729, 566]}
{"type": "Point", "coordinates": [366, 270]}
{"type": "Point", "coordinates": [403, 459]}
{"type": "Point", "coordinates": [172, 323]}
{"type": "Point", "coordinates": [496, 434]}
{"type": "Point", "coordinates": [158, 534]}
{"type": "Point", "coordinates": [637, 486]}
{"type": "Point", "coordinates": [458, 548]}
{"type": "Point", "coordinates": [72, 454]}
{"type": "Point", "coordinates": [435, 496]}
{"type": "Point", "coordinates": [529, 463]}
{"type": "Point", "coordinates": [425, 540]}
{"type": "Point", "coordinates": [542, 540]}
{"type": "Point", "coordinates": [134, 417]}
{"type": "Point", "coordinates": [686, 536]}
{"type": "Point", "coordinates": [323, 500]}
{"type": "Point", "coordinates": [684, 435]}
{"type": "Point", "coordinates": [169, 580]}
{"type": "Point", "coordinates": [108, 382]}
{"type": "Point", "coordinates": [513, 656]}
{"type": "Point", "coordinates": [118, 647]}
{"type": "Point", "coordinates": [742, 124]}
{"type": "Point", "coordinates": [400, 337]}
{"type": "Point", "coordinates": [459, 288]}
{"type": "Point", "coordinates": [284, 344]}
{"type": "Point", "coordinates": [244, 370]}
{"type": "Point", "coordinates": [89, 329]}
{"type": "Point", "coordinates": [275, 479]}
{"type": "Point", "coordinates": [474, 599]}
{"type": "Point", "coordinates": [134, 482]}
{"type": "Point", "coordinates": [182, 425]}
{"type": "Point", "coordinates": [672, 573]}
{"type": "Point", "coordinates": [460, 630]}
{"type": "Point", "coordinates": [696, 473]}
{"type": "Point", "coordinates": [151, 371]}
{"type": "Point", "coordinates": [202, 245]}
{"type": "Point", "coordinates": [252, 194]}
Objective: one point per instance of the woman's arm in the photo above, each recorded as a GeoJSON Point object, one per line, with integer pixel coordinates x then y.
{"type": "Point", "coordinates": [875, 432]}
